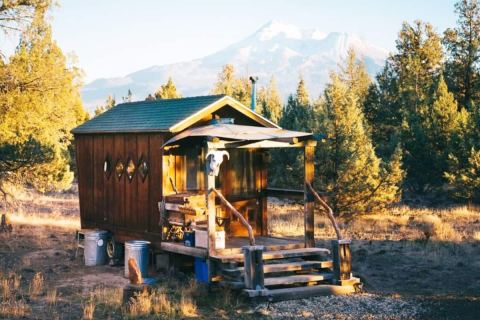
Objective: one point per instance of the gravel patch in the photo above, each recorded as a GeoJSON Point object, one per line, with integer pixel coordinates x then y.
{"type": "Point", "coordinates": [359, 306]}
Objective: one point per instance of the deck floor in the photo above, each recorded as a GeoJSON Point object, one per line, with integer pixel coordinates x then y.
{"type": "Point", "coordinates": [234, 245]}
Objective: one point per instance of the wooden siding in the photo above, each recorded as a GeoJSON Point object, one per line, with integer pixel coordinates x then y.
{"type": "Point", "coordinates": [128, 208]}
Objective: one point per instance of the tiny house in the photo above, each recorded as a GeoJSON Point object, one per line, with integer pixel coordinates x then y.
{"type": "Point", "coordinates": [195, 169]}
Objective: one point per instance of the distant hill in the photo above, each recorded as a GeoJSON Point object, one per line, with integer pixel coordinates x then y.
{"type": "Point", "coordinates": [276, 49]}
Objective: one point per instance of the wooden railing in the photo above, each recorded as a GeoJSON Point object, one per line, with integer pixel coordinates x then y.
{"type": "Point", "coordinates": [237, 214]}
{"type": "Point", "coordinates": [327, 208]}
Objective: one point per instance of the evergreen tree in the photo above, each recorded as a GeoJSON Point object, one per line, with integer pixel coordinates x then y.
{"type": "Point", "coordinates": [416, 65]}
{"type": "Point", "coordinates": [382, 112]}
{"type": "Point", "coordinates": [228, 83]}
{"type": "Point", "coordinates": [356, 178]}
{"type": "Point", "coordinates": [463, 45]}
{"type": "Point", "coordinates": [465, 178]}
{"type": "Point", "coordinates": [270, 103]}
{"type": "Point", "coordinates": [39, 105]}
{"type": "Point", "coordinates": [128, 97]}
{"type": "Point", "coordinates": [167, 91]}
{"type": "Point", "coordinates": [287, 165]}
{"type": "Point", "coordinates": [109, 103]}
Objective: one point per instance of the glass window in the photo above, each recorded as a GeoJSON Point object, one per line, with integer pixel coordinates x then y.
{"type": "Point", "coordinates": [107, 167]}
{"type": "Point", "coordinates": [130, 169]}
{"type": "Point", "coordinates": [143, 168]}
{"type": "Point", "coordinates": [119, 167]}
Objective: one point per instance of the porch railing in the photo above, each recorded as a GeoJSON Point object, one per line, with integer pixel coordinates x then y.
{"type": "Point", "coordinates": [237, 214]}
{"type": "Point", "coordinates": [327, 208]}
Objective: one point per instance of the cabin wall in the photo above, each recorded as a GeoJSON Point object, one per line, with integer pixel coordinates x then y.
{"type": "Point", "coordinates": [127, 207]}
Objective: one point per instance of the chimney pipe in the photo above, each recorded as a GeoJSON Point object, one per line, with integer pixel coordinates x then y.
{"type": "Point", "coordinates": [253, 102]}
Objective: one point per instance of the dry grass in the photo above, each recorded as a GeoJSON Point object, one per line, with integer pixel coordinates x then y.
{"type": "Point", "coordinates": [401, 223]}
{"type": "Point", "coordinates": [161, 304]}
{"type": "Point", "coordinates": [89, 308]}
{"type": "Point", "coordinates": [36, 285]}
{"type": "Point", "coordinates": [187, 307]}
{"type": "Point", "coordinates": [12, 302]}
{"type": "Point", "coordinates": [51, 297]}
{"type": "Point", "coordinates": [51, 220]}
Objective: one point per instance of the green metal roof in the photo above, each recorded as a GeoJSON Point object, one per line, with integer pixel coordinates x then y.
{"type": "Point", "coordinates": [146, 116]}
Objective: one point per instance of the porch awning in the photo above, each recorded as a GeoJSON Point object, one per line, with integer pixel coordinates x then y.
{"type": "Point", "coordinates": [239, 136]}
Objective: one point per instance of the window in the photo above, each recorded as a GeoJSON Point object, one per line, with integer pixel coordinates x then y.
{"type": "Point", "coordinates": [119, 168]}
{"type": "Point", "coordinates": [130, 169]}
{"type": "Point", "coordinates": [143, 168]}
{"type": "Point", "coordinates": [107, 167]}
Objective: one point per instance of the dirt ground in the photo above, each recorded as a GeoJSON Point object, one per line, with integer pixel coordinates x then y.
{"type": "Point", "coordinates": [407, 272]}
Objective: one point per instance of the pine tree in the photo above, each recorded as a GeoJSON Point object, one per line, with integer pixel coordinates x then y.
{"type": "Point", "coordinates": [109, 103]}
{"type": "Point", "coordinates": [167, 91]}
{"type": "Point", "coordinates": [287, 165]}
{"type": "Point", "coordinates": [228, 83]}
{"type": "Point", "coordinates": [382, 112]}
{"type": "Point", "coordinates": [463, 45]}
{"type": "Point", "coordinates": [465, 178]}
{"type": "Point", "coordinates": [128, 97]}
{"type": "Point", "coordinates": [270, 103]}
{"type": "Point", "coordinates": [356, 178]}
{"type": "Point", "coordinates": [416, 66]}
{"type": "Point", "coordinates": [39, 105]}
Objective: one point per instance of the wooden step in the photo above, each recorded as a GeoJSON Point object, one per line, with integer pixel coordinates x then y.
{"type": "Point", "coordinates": [285, 267]}
{"type": "Point", "coordinates": [300, 292]}
{"type": "Point", "coordinates": [298, 278]}
{"type": "Point", "coordinates": [277, 254]}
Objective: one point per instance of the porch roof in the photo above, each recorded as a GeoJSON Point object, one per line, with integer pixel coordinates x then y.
{"type": "Point", "coordinates": [223, 135]}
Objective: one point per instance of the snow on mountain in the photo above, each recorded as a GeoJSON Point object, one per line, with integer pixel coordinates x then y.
{"type": "Point", "coordinates": [278, 49]}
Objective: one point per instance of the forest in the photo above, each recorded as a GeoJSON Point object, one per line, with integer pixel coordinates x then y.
{"type": "Point", "coordinates": [410, 134]}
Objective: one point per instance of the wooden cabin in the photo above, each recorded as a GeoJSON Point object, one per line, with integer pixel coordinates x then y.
{"type": "Point", "coordinates": [158, 170]}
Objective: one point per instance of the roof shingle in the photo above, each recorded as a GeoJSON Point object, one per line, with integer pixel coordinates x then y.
{"type": "Point", "coordinates": [146, 116]}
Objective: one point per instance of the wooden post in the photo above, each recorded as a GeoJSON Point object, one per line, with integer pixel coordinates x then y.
{"type": "Point", "coordinates": [211, 212]}
{"type": "Point", "coordinates": [253, 266]}
{"type": "Point", "coordinates": [309, 199]}
{"type": "Point", "coordinates": [342, 259]}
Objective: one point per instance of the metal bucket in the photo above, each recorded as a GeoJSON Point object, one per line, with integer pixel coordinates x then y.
{"type": "Point", "coordinates": [137, 249]}
{"type": "Point", "coordinates": [95, 247]}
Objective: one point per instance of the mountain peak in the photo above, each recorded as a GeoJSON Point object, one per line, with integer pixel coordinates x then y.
{"type": "Point", "coordinates": [278, 29]}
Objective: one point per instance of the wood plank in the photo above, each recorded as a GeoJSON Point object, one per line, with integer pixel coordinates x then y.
{"type": "Point", "coordinates": [280, 254]}
{"type": "Point", "coordinates": [119, 200]}
{"type": "Point", "coordinates": [98, 189]}
{"type": "Point", "coordinates": [142, 185]}
{"type": "Point", "coordinates": [298, 278]}
{"type": "Point", "coordinates": [155, 175]}
{"type": "Point", "coordinates": [131, 213]}
{"type": "Point", "coordinates": [263, 198]}
{"type": "Point", "coordinates": [301, 292]}
{"type": "Point", "coordinates": [181, 249]}
{"type": "Point", "coordinates": [309, 199]}
{"type": "Point", "coordinates": [285, 267]}
{"type": "Point", "coordinates": [109, 181]}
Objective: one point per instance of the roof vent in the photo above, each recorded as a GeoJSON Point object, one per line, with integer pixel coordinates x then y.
{"type": "Point", "coordinates": [253, 103]}
{"type": "Point", "coordinates": [222, 121]}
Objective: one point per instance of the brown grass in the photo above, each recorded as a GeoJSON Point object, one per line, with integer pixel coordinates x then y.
{"type": "Point", "coordinates": [36, 285]}
{"type": "Point", "coordinates": [187, 306]}
{"type": "Point", "coordinates": [89, 308]}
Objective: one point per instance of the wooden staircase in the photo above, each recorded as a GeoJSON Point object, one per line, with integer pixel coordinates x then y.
{"type": "Point", "coordinates": [288, 274]}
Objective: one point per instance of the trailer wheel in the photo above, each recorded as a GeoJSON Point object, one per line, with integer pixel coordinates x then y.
{"type": "Point", "coordinates": [114, 251]}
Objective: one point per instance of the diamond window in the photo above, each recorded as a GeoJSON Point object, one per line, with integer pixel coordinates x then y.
{"type": "Point", "coordinates": [107, 167]}
{"type": "Point", "coordinates": [143, 168]}
{"type": "Point", "coordinates": [130, 169]}
{"type": "Point", "coordinates": [119, 167]}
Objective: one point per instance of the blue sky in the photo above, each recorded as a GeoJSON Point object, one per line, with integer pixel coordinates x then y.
{"type": "Point", "coordinates": [115, 37]}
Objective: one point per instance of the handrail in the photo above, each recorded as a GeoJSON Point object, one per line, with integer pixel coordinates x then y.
{"type": "Point", "coordinates": [326, 207]}
{"type": "Point", "coordinates": [237, 214]}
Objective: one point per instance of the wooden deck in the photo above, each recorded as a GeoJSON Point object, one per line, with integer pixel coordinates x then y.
{"type": "Point", "coordinates": [233, 246]}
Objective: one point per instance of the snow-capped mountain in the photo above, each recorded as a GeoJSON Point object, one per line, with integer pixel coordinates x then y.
{"type": "Point", "coordinates": [278, 49]}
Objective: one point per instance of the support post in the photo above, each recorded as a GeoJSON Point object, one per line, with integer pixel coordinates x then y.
{"type": "Point", "coordinates": [253, 265]}
{"type": "Point", "coordinates": [211, 212]}
{"type": "Point", "coordinates": [342, 260]}
{"type": "Point", "coordinates": [309, 199]}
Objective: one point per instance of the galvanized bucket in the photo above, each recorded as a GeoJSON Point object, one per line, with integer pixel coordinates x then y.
{"type": "Point", "coordinates": [137, 249]}
{"type": "Point", "coordinates": [95, 247]}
